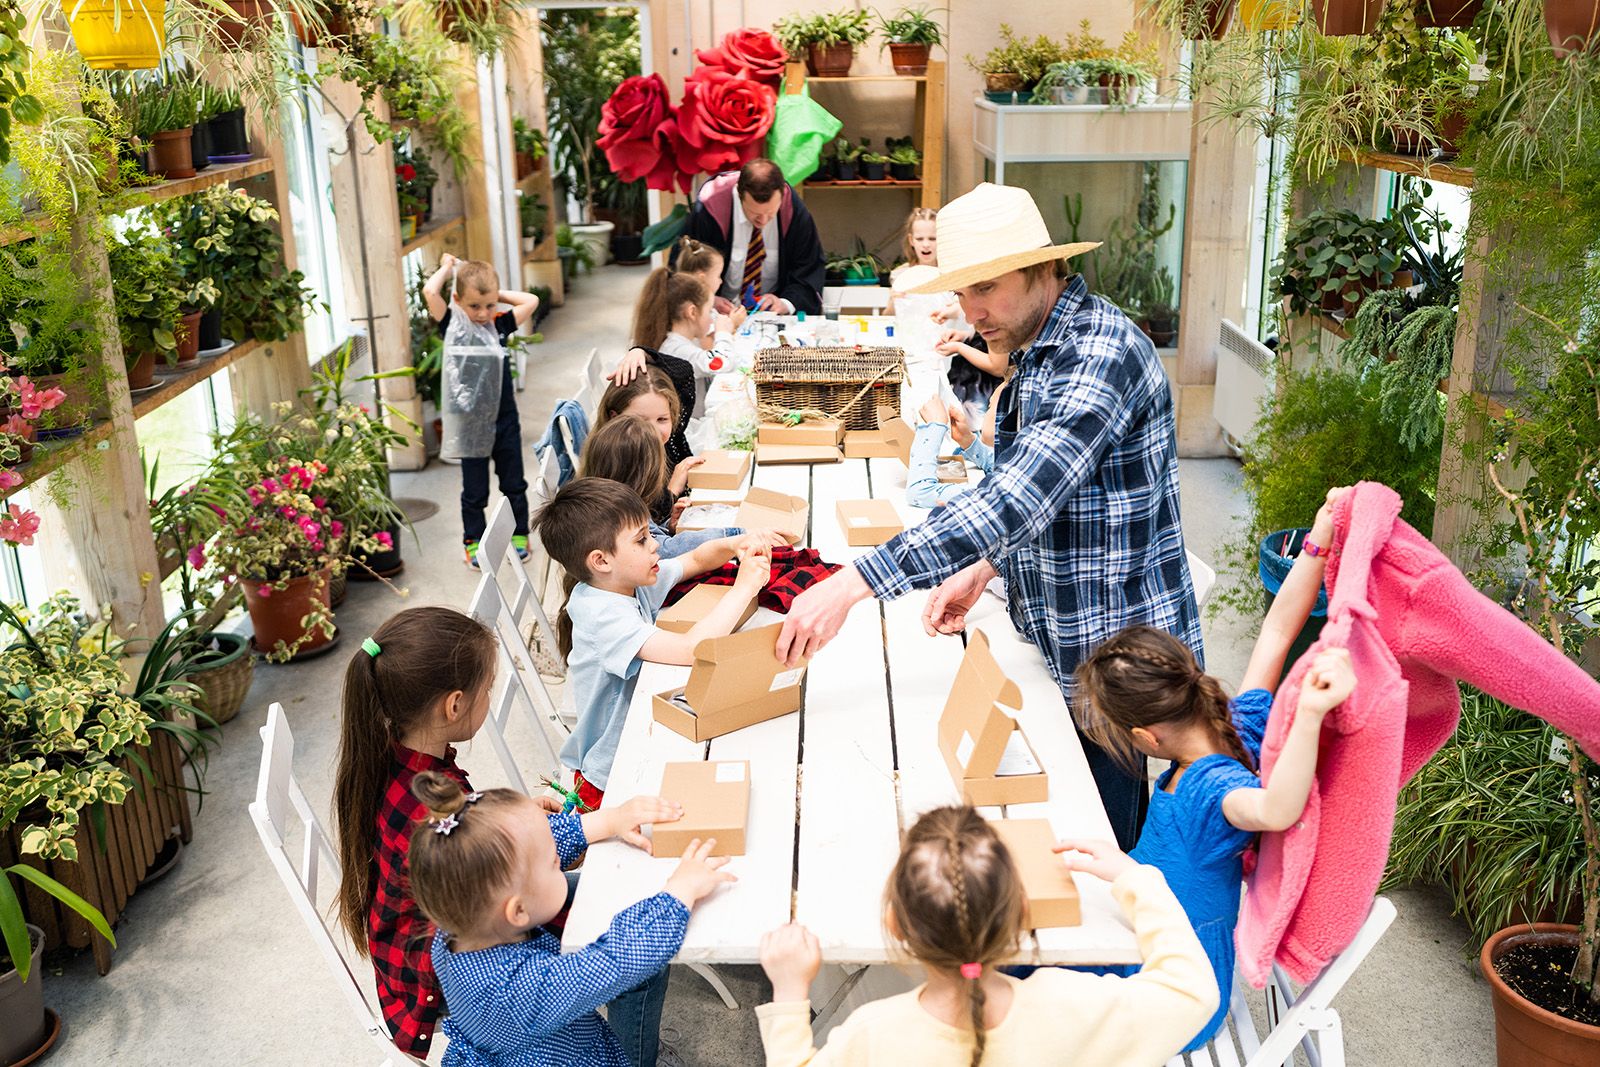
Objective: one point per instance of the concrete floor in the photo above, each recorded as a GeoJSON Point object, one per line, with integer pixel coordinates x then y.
{"type": "Point", "coordinates": [214, 967]}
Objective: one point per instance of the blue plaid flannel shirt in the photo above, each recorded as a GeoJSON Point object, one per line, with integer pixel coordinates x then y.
{"type": "Point", "coordinates": [1080, 515]}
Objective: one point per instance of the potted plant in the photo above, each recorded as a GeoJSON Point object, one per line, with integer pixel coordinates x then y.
{"type": "Point", "coordinates": [117, 35]}
{"type": "Point", "coordinates": [222, 111]}
{"type": "Point", "coordinates": [1063, 83]}
{"type": "Point", "coordinates": [910, 35]}
{"type": "Point", "coordinates": [827, 41]}
{"type": "Point", "coordinates": [528, 147]}
{"type": "Point", "coordinates": [846, 156]}
{"type": "Point", "coordinates": [144, 282]}
{"type": "Point", "coordinates": [532, 214]}
{"type": "Point", "coordinates": [1195, 20]}
{"type": "Point", "coordinates": [486, 27]}
{"type": "Point", "coordinates": [587, 55]}
{"type": "Point", "coordinates": [1332, 258]}
{"type": "Point", "coordinates": [331, 24]}
{"type": "Point", "coordinates": [862, 268]}
{"type": "Point", "coordinates": [904, 159]}
{"type": "Point", "coordinates": [28, 1030]}
{"type": "Point", "coordinates": [834, 268]}
{"type": "Point", "coordinates": [1571, 25]}
{"type": "Point", "coordinates": [162, 117]}
{"type": "Point", "coordinates": [872, 162]}
{"type": "Point", "coordinates": [17, 104]}
{"type": "Point", "coordinates": [1011, 68]}
{"type": "Point", "coordinates": [1345, 18]}
{"type": "Point", "coordinates": [183, 520]}
{"type": "Point", "coordinates": [1160, 309]}
{"type": "Point", "coordinates": [410, 204]}
{"type": "Point", "coordinates": [197, 301]}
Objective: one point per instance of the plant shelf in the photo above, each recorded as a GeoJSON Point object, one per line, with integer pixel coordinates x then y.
{"type": "Point", "coordinates": [809, 186]}
{"type": "Point", "coordinates": [433, 231]}
{"type": "Point", "coordinates": [174, 387]}
{"type": "Point", "coordinates": [49, 455]}
{"type": "Point", "coordinates": [1079, 133]}
{"type": "Point", "coordinates": [869, 78]}
{"type": "Point", "coordinates": [216, 174]}
{"type": "Point", "coordinates": [1415, 166]}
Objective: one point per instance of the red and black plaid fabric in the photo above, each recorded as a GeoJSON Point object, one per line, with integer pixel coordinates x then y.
{"type": "Point", "coordinates": [398, 935]}
{"type": "Point", "coordinates": [794, 570]}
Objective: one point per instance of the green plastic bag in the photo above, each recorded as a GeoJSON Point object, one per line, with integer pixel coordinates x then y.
{"type": "Point", "coordinates": [800, 127]}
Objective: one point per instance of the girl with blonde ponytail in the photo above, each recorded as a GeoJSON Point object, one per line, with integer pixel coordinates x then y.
{"type": "Point", "coordinates": [954, 904]}
{"type": "Point", "coordinates": [1143, 694]}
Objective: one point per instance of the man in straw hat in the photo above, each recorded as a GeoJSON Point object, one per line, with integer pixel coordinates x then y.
{"type": "Point", "coordinates": [1081, 513]}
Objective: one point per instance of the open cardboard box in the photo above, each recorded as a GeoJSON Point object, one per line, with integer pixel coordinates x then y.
{"type": "Point", "coordinates": [811, 432]}
{"type": "Point", "coordinates": [761, 509]}
{"type": "Point", "coordinates": [715, 795]}
{"type": "Point", "coordinates": [988, 754]}
{"type": "Point", "coordinates": [868, 522]}
{"type": "Point", "coordinates": [722, 469]}
{"type": "Point", "coordinates": [736, 681]}
{"type": "Point", "coordinates": [1052, 895]}
{"type": "Point", "coordinates": [775, 454]}
{"type": "Point", "coordinates": [696, 604]}
{"type": "Point", "coordinates": [891, 440]}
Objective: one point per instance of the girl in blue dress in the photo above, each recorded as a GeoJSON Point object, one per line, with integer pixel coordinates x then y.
{"type": "Point", "coordinates": [1144, 693]}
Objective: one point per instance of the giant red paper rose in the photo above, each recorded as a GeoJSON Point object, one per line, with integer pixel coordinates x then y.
{"type": "Point", "coordinates": [723, 119]}
{"type": "Point", "coordinates": [629, 125]}
{"type": "Point", "coordinates": [756, 52]}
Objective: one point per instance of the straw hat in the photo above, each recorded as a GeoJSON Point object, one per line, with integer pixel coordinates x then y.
{"type": "Point", "coordinates": [913, 276]}
{"type": "Point", "coordinates": [991, 231]}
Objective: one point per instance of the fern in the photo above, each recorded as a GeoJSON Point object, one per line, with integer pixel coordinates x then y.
{"type": "Point", "coordinates": [1422, 354]}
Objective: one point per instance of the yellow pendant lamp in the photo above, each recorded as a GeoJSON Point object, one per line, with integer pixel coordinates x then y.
{"type": "Point", "coordinates": [119, 34]}
{"type": "Point", "coordinates": [1259, 15]}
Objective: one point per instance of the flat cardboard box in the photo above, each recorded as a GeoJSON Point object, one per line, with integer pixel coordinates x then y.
{"type": "Point", "coordinates": [988, 754]}
{"type": "Point", "coordinates": [767, 509]}
{"type": "Point", "coordinates": [1052, 895]}
{"type": "Point", "coordinates": [715, 795]}
{"type": "Point", "coordinates": [722, 469]}
{"type": "Point", "coordinates": [775, 454]}
{"type": "Point", "coordinates": [810, 432]}
{"type": "Point", "coordinates": [868, 522]}
{"type": "Point", "coordinates": [696, 604]}
{"type": "Point", "coordinates": [736, 681]}
{"type": "Point", "coordinates": [870, 444]}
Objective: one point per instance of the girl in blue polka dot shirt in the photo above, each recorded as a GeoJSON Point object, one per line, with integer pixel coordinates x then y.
{"type": "Point", "coordinates": [486, 868]}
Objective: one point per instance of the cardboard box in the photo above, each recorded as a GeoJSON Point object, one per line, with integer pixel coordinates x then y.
{"type": "Point", "coordinates": [870, 444]}
{"type": "Point", "coordinates": [722, 469]}
{"type": "Point", "coordinates": [988, 754]}
{"type": "Point", "coordinates": [687, 521]}
{"type": "Point", "coordinates": [715, 795]}
{"type": "Point", "coordinates": [696, 604]}
{"type": "Point", "coordinates": [1052, 896]}
{"type": "Point", "coordinates": [774, 454]}
{"type": "Point", "coordinates": [736, 681]}
{"type": "Point", "coordinates": [810, 432]}
{"type": "Point", "coordinates": [767, 509]}
{"type": "Point", "coordinates": [868, 522]}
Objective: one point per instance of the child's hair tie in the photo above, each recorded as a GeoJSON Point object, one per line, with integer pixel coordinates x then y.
{"type": "Point", "coordinates": [972, 970]}
{"type": "Point", "coordinates": [453, 820]}
{"type": "Point", "coordinates": [370, 647]}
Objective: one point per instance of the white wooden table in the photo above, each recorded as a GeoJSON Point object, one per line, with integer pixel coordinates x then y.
{"type": "Point", "coordinates": [833, 785]}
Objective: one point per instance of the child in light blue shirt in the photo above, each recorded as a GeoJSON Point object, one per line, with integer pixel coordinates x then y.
{"type": "Point", "coordinates": [599, 530]}
{"type": "Point", "coordinates": [923, 487]}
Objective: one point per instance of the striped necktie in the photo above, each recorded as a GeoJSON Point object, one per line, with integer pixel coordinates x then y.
{"type": "Point", "coordinates": [755, 258]}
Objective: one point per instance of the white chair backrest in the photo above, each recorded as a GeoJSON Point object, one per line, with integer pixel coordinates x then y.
{"type": "Point", "coordinates": [549, 475]}
{"type": "Point", "coordinates": [566, 431]}
{"type": "Point", "coordinates": [522, 592]}
{"type": "Point", "coordinates": [279, 810]}
{"type": "Point", "coordinates": [1203, 577]}
{"type": "Point", "coordinates": [520, 683]}
{"type": "Point", "coordinates": [860, 299]}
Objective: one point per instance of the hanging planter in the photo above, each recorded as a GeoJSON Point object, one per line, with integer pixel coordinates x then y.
{"type": "Point", "coordinates": [334, 32]}
{"type": "Point", "coordinates": [1571, 24]}
{"type": "Point", "coordinates": [1527, 1034]}
{"type": "Point", "coordinates": [119, 34]}
{"type": "Point", "coordinates": [1261, 15]}
{"type": "Point", "coordinates": [1215, 18]}
{"type": "Point", "coordinates": [279, 615]}
{"type": "Point", "coordinates": [1345, 18]}
{"type": "Point", "coordinates": [253, 15]}
{"type": "Point", "coordinates": [1447, 14]}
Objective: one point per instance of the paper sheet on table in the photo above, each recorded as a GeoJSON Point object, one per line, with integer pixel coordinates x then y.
{"type": "Point", "coordinates": [708, 516]}
{"type": "Point", "coordinates": [1017, 759]}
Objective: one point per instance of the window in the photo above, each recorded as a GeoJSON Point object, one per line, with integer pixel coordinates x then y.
{"type": "Point", "coordinates": [306, 136]}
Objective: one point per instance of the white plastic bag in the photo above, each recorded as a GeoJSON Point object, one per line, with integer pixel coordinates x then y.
{"type": "Point", "coordinates": [469, 398]}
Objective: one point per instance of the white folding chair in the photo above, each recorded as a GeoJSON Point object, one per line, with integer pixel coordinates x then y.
{"type": "Point", "coordinates": [1308, 1021]}
{"type": "Point", "coordinates": [278, 801]}
{"type": "Point", "coordinates": [523, 595]}
{"type": "Point", "coordinates": [523, 683]}
{"type": "Point", "coordinates": [1203, 577]}
{"type": "Point", "coordinates": [861, 299]}
{"type": "Point", "coordinates": [592, 383]}
{"type": "Point", "coordinates": [549, 476]}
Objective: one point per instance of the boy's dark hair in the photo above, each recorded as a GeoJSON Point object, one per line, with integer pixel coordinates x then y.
{"type": "Point", "coordinates": [585, 514]}
{"type": "Point", "coordinates": [759, 179]}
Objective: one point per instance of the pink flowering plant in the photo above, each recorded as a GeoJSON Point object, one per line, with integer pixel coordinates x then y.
{"type": "Point", "coordinates": [22, 404]}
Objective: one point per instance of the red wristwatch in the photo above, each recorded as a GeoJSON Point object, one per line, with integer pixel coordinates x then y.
{"type": "Point", "coordinates": [1312, 549]}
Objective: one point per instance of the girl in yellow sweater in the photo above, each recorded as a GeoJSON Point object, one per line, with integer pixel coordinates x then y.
{"type": "Point", "coordinates": [954, 903]}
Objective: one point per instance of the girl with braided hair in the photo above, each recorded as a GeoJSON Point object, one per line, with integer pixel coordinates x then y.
{"type": "Point", "coordinates": [1143, 694]}
{"type": "Point", "coordinates": [954, 904]}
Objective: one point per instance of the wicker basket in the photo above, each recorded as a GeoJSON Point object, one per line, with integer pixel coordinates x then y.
{"type": "Point", "coordinates": [223, 687]}
{"type": "Point", "coordinates": [848, 384]}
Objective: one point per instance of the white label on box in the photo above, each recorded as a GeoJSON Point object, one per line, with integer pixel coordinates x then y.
{"type": "Point", "coordinates": [786, 679]}
{"type": "Point", "coordinates": [1017, 758]}
{"type": "Point", "coordinates": [964, 749]}
{"type": "Point", "coordinates": [859, 520]}
{"type": "Point", "coordinates": [730, 772]}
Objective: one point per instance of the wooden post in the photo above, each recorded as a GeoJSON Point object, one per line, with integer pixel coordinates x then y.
{"type": "Point", "coordinates": [1216, 260]}
{"type": "Point", "coordinates": [378, 272]}
{"type": "Point", "coordinates": [525, 79]}
{"type": "Point", "coordinates": [930, 122]}
{"type": "Point", "coordinates": [474, 182]}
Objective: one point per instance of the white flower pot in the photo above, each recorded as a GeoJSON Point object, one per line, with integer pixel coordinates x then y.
{"type": "Point", "coordinates": [597, 235]}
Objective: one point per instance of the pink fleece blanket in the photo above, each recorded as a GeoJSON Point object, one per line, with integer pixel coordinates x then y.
{"type": "Point", "coordinates": [1413, 626]}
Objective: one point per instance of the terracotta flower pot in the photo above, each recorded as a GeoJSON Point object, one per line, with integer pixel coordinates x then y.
{"type": "Point", "coordinates": [908, 58]}
{"type": "Point", "coordinates": [335, 27]}
{"type": "Point", "coordinates": [1571, 24]}
{"type": "Point", "coordinates": [169, 154]}
{"type": "Point", "coordinates": [142, 371]}
{"type": "Point", "coordinates": [1438, 14]}
{"type": "Point", "coordinates": [251, 15]}
{"type": "Point", "coordinates": [277, 615]}
{"type": "Point", "coordinates": [1342, 18]}
{"type": "Point", "coordinates": [1215, 19]}
{"type": "Point", "coordinates": [188, 332]}
{"type": "Point", "coordinates": [85, 401]}
{"type": "Point", "coordinates": [1526, 1035]}
{"type": "Point", "coordinates": [830, 61]}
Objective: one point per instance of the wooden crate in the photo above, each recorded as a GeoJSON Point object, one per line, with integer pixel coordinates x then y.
{"type": "Point", "coordinates": [848, 384]}
{"type": "Point", "coordinates": [107, 873]}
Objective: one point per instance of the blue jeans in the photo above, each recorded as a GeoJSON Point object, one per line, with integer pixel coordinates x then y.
{"type": "Point", "coordinates": [1125, 796]}
{"type": "Point", "coordinates": [634, 1016]}
{"type": "Point", "coordinates": [507, 457]}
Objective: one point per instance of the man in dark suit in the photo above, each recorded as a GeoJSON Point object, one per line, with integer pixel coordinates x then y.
{"type": "Point", "coordinates": [772, 256]}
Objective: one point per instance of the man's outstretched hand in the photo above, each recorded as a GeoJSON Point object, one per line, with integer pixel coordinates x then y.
{"type": "Point", "coordinates": [817, 614]}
